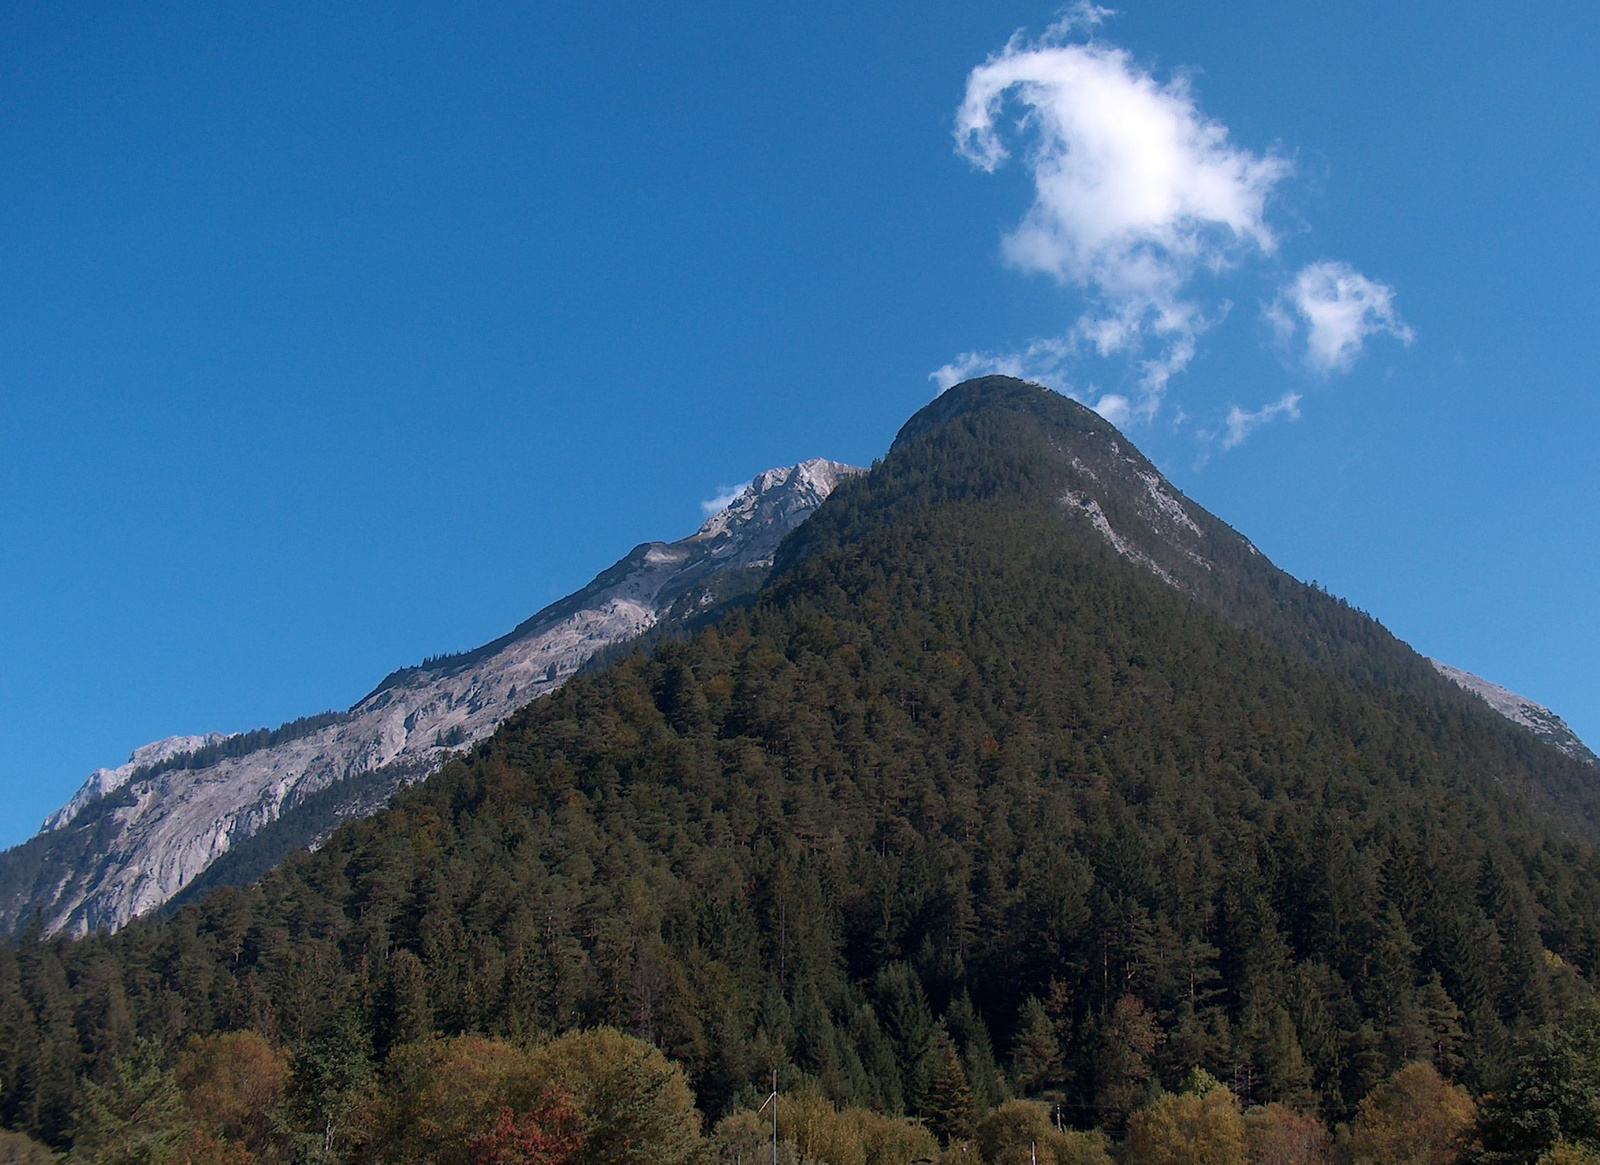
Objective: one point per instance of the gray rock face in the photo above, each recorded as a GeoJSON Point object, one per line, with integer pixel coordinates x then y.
{"type": "Point", "coordinates": [1536, 718]}
{"type": "Point", "coordinates": [135, 836]}
{"type": "Point", "coordinates": [103, 781]}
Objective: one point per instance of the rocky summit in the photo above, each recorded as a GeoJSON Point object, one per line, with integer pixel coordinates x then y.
{"type": "Point", "coordinates": [134, 836]}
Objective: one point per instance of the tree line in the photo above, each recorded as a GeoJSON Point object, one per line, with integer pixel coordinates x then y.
{"type": "Point", "coordinates": [964, 813]}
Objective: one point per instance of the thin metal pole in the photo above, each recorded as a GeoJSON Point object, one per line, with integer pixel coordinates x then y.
{"type": "Point", "coordinates": [772, 1099]}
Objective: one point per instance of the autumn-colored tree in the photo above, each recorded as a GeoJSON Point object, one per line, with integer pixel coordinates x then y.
{"type": "Point", "coordinates": [636, 1104]}
{"type": "Point", "coordinates": [1566, 1153]}
{"type": "Point", "coordinates": [807, 1119]}
{"type": "Point", "coordinates": [746, 1136]}
{"type": "Point", "coordinates": [811, 1129]}
{"type": "Point", "coordinates": [437, 1098]}
{"type": "Point", "coordinates": [1019, 1132]}
{"type": "Point", "coordinates": [198, 1147]}
{"type": "Point", "coordinates": [1416, 1118]}
{"type": "Point", "coordinates": [1278, 1135]}
{"type": "Point", "coordinates": [888, 1140]}
{"type": "Point", "coordinates": [546, 1135]}
{"type": "Point", "coordinates": [1199, 1127]}
{"type": "Point", "coordinates": [20, 1149]}
{"type": "Point", "coordinates": [233, 1086]}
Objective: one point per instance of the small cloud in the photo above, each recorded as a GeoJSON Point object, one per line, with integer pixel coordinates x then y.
{"type": "Point", "coordinates": [726, 495]}
{"type": "Point", "coordinates": [1339, 308]}
{"type": "Point", "coordinates": [1239, 424]}
{"type": "Point", "coordinates": [1115, 408]}
{"type": "Point", "coordinates": [1080, 17]}
{"type": "Point", "coordinates": [1041, 362]}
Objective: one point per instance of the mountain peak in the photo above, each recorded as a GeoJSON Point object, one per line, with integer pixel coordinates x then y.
{"type": "Point", "coordinates": [103, 781]}
{"type": "Point", "coordinates": [769, 506]}
{"type": "Point", "coordinates": [1007, 393]}
{"type": "Point", "coordinates": [267, 801]}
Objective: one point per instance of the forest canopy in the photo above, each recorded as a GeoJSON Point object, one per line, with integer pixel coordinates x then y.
{"type": "Point", "coordinates": [968, 827]}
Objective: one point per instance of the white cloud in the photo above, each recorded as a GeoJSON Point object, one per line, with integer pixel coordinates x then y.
{"type": "Point", "coordinates": [1339, 308]}
{"type": "Point", "coordinates": [1135, 190]}
{"type": "Point", "coordinates": [1042, 362]}
{"type": "Point", "coordinates": [725, 498]}
{"type": "Point", "coordinates": [1080, 16]}
{"type": "Point", "coordinates": [1141, 204]}
{"type": "Point", "coordinates": [1239, 424]}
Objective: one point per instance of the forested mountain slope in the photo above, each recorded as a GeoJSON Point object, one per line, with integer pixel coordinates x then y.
{"type": "Point", "coordinates": [212, 811]}
{"type": "Point", "coordinates": [1018, 753]}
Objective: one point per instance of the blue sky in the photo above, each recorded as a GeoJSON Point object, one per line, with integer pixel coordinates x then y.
{"type": "Point", "coordinates": [334, 337]}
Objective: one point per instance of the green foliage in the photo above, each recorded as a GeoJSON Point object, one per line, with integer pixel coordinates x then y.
{"type": "Point", "coordinates": [134, 1117]}
{"type": "Point", "coordinates": [1124, 1049]}
{"type": "Point", "coordinates": [949, 1107]}
{"type": "Point", "coordinates": [21, 1149]}
{"type": "Point", "coordinates": [332, 1075]}
{"type": "Point", "coordinates": [1563, 1153]}
{"type": "Point", "coordinates": [1019, 1132]}
{"type": "Point", "coordinates": [1415, 1118]}
{"type": "Point", "coordinates": [1199, 1082]}
{"type": "Point", "coordinates": [636, 1106]}
{"type": "Point", "coordinates": [959, 763]}
{"type": "Point", "coordinates": [1036, 1052]}
{"type": "Point", "coordinates": [1188, 1128]}
{"type": "Point", "coordinates": [1551, 1095]}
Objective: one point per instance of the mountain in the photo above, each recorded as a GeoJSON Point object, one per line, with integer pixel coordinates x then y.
{"type": "Point", "coordinates": [1536, 718]}
{"type": "Point", "coordinates": [133, 837]}
{"type": "Point", "coordinates": [147, 756]}
{"type": "Point", "coordinates": [1019, 772]}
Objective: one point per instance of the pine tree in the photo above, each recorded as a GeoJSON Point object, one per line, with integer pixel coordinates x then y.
{"type": "Point", "coordinates": [135, 1117]}
{"type": "Point", "coordinates": [1124, 1049]}
{"type": "Point", "coordinates": [949, 1107]}
{"type": "Point", "coordinates": [1284, 1074]}
{"type": "Point", "coordinates": [1441, 1018]}
{"type": "Point", "coordinates": [971, 1036]}
{"type": "Point", "coordinates": [1036, 1053]}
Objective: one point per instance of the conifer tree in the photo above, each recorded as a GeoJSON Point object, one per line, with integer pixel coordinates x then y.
{"type": "Point", "coordinates": [1124, 1050]}
{"type": "Point", "coordinates": [950, 1108]}
{"type": "Point", "coordinates": [1036, 1053]}
{"type": "Point", "coordinates": [136, 1116]}
{"type": "Point", "coordinates": [1441, 1019]}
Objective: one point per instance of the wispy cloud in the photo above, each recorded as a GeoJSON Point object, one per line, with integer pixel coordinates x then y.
{"type": "Point", "coordinates": [1043, 362]}
{"type": "Point", "coordinates": [1141, 200]}
{"type": "Point", "coordinates": [725, 498]}
{"type": "Point", "coordinates": [1239, 424]}
{"type": "Point", "coordinates": [1338, 307]}
{"type": "Point", "coordinates": [1135, 192]}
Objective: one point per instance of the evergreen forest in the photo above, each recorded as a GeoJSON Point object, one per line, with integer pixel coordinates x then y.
{"type": "Point", "coordinates": [975, 838]}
